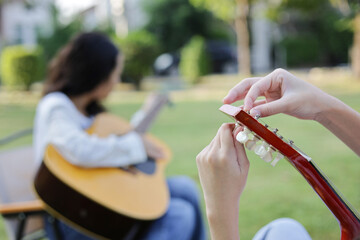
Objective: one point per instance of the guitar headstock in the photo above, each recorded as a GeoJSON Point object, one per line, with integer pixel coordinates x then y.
{"type": "Point", "coordinates": [265, 141]}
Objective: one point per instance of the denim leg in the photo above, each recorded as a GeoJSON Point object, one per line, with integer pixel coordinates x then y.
{"type": "Point", "coordinates": [283, 229]}
{"type": "Point", "coordinates": [177, 224]}
{"type": "Point", "coordinates": [67, 232]}
{"type": "Point", "coordinates": [185, 188]}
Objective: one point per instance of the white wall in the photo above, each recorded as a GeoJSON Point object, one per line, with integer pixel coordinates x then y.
{"type": "Point", "coordinates": [20, 25]}
{"type": "Point", "coordinates": [134, 14]}
{"type": "Point", "coordinates": [262, 38]}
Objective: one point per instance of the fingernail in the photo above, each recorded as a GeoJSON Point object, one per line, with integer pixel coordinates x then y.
{"type": "Point", "coordinates": [254, 112]}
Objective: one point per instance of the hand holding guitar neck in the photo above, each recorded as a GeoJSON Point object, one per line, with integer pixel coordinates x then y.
{"type": "Point", "coordinates": [269, 145]}
{"type": "Point", "coordinates": [285, 93]}
{"type": "Point", "coordinates": [223, 168]}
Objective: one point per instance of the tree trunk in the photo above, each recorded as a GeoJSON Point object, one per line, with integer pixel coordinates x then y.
{"type": "Point", "coordinates": [242, 35]}
{"type": "Point", "coordinates": [356, 47]}
{"type": "Point", "coordinates": [1, 23]}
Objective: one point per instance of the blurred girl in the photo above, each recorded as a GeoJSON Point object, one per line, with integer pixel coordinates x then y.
{"type": "Point", "coordinates": [80, 77]}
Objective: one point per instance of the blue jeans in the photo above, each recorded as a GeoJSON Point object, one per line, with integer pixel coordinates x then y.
{"type": "Point", "coordinates": [282, 229]}
{"type": "Point", "coordinates": [182, 221]}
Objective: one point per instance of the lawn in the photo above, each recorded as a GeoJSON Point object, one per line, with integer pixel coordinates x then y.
{"type": "Point", "coordinates": [271, 193]}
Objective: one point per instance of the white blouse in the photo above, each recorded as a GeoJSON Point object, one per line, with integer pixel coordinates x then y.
{"type": "Point", "coordinates": [58, 122]}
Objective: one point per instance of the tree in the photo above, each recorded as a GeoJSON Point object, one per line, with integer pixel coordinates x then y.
{"type": "Point", "coordinates": [61, 34]}
{"type": "Point", "coordinates": [237, 12]}
{"type": "Point", "coordinates": [140, 49]}
{"type": "Point", "coordinates": [314, 32]}
{"type": "Point", "coordinates": [351, 8]}
{"type": "Point", "coordinates": [175, 22]}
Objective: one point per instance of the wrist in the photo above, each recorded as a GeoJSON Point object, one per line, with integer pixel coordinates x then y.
{"type": "Point", "coordinates": [224, 224]}
{"type": "Point", "coordinates": [222, 204]}
{"type": "Point", "coordinates": [330, 107]}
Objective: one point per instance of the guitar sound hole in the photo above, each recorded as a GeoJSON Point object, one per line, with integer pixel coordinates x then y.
{"type": "Point", "coordinates": [147, 167]}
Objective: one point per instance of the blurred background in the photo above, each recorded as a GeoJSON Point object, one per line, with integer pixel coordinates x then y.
{"type": "Point", "coordinates": [197, 50]}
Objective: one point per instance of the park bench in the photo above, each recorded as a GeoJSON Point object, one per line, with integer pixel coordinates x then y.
{"type": "Point", "coordinates": [22, 212]}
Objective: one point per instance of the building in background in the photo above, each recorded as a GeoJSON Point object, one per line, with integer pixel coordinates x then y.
{"type": "Point", "coordinates": [20, 21]}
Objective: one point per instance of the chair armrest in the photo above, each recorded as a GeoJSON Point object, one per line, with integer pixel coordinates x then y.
{"type": "Point", "coordinates": [22, 207]}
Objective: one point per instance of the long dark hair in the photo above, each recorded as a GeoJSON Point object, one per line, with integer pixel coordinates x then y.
{"type": "Point", "coordinates": [82, 65]}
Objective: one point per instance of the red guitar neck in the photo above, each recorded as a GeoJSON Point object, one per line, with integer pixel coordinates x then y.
{"type": "Point", "coordinates": [348, 218]}
{"type": "Point", "coordinates": [342, 210]}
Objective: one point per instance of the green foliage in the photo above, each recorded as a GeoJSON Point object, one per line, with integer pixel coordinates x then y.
{"type": "Point", "coordinates": [194, 61]}
{"type": "Point", "coordinates": [348, 7]}
{"type": "Point", "coordinates": [140, 50]}
{"type": "Point", "coordinates": [314, 32]}
{"type": "Point", "coordinates": [301, 50]}
{"type": "Point", "coordinates": [61, 35]}
{"type": "Point", "coordinates": [20, 67]}
{"type": "Point", "coordinates": [224, 9]}
{"type": "Point", "coordinates": [175, 22]}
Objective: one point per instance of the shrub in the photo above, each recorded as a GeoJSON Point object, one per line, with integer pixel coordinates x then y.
{"type": "Point", "coordinates": [301, 50]}
{"type": "Point", "coordinates": [140, 49]}
{"type": "Point", "coordinates": [20, 66]}
{"type": "Point", "coordinates": [194, 61]}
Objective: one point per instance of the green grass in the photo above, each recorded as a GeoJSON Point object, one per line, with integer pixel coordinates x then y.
{"type": "Point", "coordinates": [271, 193]}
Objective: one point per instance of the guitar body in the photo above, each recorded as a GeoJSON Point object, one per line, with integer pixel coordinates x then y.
{"type": "Point", "coordinates": [109, 203]}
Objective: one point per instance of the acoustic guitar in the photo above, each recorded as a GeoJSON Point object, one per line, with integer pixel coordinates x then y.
{"type": "Point", "coordinates": [107, 203]}
{"type": "Point", "coordinates": [272, 147]}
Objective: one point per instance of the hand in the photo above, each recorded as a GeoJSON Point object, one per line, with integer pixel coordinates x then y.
{"type": "Point", "coordinates": [152, 150]}
{"type": "Point", "coordinates": [154, 99]}
{"type": "Point", "coordinates": [223, 168]}
{"type": "Point", "coordinates": [284, 93]}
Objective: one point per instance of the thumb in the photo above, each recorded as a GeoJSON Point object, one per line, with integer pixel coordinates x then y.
{"type": "Point", "coordinates": [271, 108]}
{"type": "Point", "coordinates": [242, 159]}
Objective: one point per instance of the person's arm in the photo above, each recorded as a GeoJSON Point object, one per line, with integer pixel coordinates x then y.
{"type": "Point", "coordinates": [342, 121]}
{"type": "Point", "coordinates": [223, 168]}
{"type": "Point", "coordinates": [285, 93]}
{"type": "Point", "coordinates": [86, 150]}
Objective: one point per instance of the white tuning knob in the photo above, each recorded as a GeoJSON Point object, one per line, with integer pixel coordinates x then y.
{"type": "Point", "coordinates": [267, 157]}
{"type": "Point", "coordinates": [242, 136]}
{"type": "Point", "coordinates": [278, 157]}
{"type": "Point", "coordinates": [261, 150]}
{"type": "Point", "coordinates": [251, 144]}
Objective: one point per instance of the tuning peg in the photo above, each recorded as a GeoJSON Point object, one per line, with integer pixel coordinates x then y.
{"type": "Point", "coordinates": [261, 150]}
{"type": "Point", "coordinates": [278, 157]}
{"type": "Point", "coordinates": [242, 136]}
{"type": "Point", "coordinates": [251, 143]}
{"type": "Point", "coordinates": [267, 156]}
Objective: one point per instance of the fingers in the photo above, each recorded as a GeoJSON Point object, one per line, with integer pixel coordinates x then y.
{"type": "Point", "coordinates": [226, 136]}
{"type": "Point", "coordinates": [256, 103]}
{"type": "Point", "coordinates": [152, 150]}
{"type": "Point", "coordinates": [271, 108]}
{"type": "Point", "coordinates": [241, 156]}
{"type": "Point", "coordinates": [239, 91]}
{"type": "Point", "coordinates": [256, 90]}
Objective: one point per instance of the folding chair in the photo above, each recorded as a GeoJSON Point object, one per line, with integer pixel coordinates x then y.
{"type": "Point", "coordinates": [22, 212]}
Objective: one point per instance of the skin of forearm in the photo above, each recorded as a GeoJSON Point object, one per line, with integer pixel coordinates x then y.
{"type": "Point", "coordinates": [343, 122]}
{"type": "Point", "coordinates": [224, 223]}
